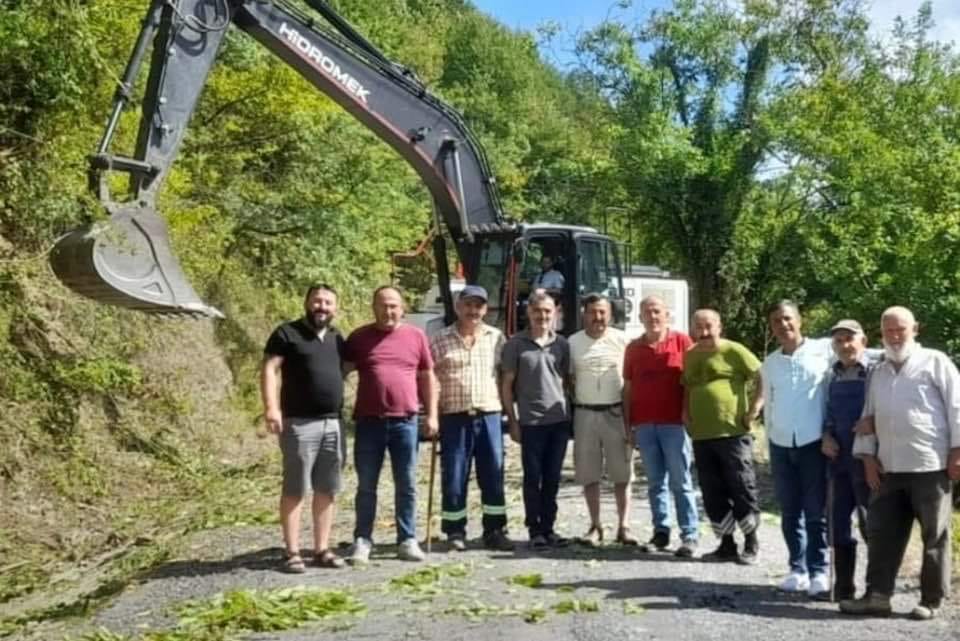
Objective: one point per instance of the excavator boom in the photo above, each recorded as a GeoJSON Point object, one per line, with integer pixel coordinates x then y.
{"type": "Point", "coordinates": [127, 259]}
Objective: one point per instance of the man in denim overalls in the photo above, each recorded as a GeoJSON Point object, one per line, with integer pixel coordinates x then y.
{"type": "Point", "coordinates": [849, 492]}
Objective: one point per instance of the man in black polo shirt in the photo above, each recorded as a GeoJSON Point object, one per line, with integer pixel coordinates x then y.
{"type": "Point", "coordinates": [302, 406]}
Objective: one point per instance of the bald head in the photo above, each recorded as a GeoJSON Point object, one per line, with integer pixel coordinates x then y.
{"type": "Point", "coordinates": [655, 316]}
{"type": "Point", "coordinates": [900, 313]}
{"type": "Point", "coordinates": [706, 328]}
{"type": "Point", "coordinates": [899, 329]}
{"type": "Point", "coordinates": [388, 307]}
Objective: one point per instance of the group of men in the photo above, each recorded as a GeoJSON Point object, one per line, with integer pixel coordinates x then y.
{"type": "Point", "coordinates": [843, 432]}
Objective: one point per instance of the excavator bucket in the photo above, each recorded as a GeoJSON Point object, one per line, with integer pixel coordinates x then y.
{"type": "Point", "coordinates": [126, 260]}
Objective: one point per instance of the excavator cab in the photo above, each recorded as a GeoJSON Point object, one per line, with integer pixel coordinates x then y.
{"type": "Point", "coordinates": [567, 262]}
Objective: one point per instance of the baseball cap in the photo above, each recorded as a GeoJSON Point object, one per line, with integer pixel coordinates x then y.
{"type": "Point", "coordinates": [473, 291]}
{"type": "Point", "coordinates": [847, 324]}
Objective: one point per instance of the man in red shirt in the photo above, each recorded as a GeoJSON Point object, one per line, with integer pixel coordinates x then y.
{"type": "Point", "coordinates": [653, 412]}
{"type": "Point", "coordinates": [395, 367]}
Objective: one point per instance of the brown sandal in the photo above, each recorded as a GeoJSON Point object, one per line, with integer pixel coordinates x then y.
{"type": "Point", "coordinates": [327, 559]}
{"type": "Point", "coordinates": [293, 563]}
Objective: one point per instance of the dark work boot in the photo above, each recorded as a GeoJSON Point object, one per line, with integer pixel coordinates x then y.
{"type": "Point", "coordinates": [845, 567]}
{"type": "Point", "coordinates": [727, 551]}
{"type": "Point", "coordinates": [751, 546]}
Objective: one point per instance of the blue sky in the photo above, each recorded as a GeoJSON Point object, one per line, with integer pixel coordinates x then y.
{"type": "Point", "coordinates": [578, 15]}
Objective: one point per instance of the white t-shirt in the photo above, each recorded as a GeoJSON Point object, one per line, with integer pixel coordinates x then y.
{"type": "Point", "coordinates": [597, 366]}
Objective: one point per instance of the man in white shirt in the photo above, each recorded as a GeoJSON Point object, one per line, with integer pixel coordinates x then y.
{"type": "Point", "coordinates": [549, 278]}
{"type": "Point", "coordinates": [596, 366]}
{"type": "Point", "coordinates": [914, 400]}
{"type": "Point", "coordinates": [792, 392]}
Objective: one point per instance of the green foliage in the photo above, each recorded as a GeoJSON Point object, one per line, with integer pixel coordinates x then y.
{"type": "Point", "coordinates": [576, 606]}
{"type": "Point", "coordinates": [534, 580]}
{"type": "Point", "coordinates": [268, 610]}
{"type": "Point", "coordinates": [100, 375]}
{"type": "Point", "coordinates": [430, 580]}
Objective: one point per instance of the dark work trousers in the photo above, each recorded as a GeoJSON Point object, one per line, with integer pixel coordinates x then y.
{"type": "Point", "coordinates": [464, 438]}
{"type": "Point", "coordinates": [728, 483]}
{"type": "Point", "coordinates": [851, 495]}
{"type": "Point", "coordinates": [542, 448]}
{"type": "Point", "coordinates": [903, 497]}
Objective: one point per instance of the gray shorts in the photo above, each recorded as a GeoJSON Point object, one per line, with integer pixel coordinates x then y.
{"type": "Point", "coordinates": [313, 454]}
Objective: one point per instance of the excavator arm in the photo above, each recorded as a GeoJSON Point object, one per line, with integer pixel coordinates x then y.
{"type": "Point", "coordinates": [127, 260]}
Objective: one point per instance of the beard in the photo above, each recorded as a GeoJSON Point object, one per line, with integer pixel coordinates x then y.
{"type": "Point", "coordinates": [318, 320]}
{"type": "Point", "coordinates": [901, 353]}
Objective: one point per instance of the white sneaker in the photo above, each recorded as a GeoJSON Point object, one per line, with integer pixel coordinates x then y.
{"type": "Point", "coordinates": [795, 582]}
{"type": "Point", "coordinates": [410, 550]}
{"type": "Point", "coordinates": [360, 554]}
{"type": "Point", "coordinates": [819, 585]}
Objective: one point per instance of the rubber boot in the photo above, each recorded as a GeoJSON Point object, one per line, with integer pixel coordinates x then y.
{"type": "Point", "coordinates": [845, 567]}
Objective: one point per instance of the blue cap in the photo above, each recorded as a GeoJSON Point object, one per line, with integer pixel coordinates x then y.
{"type": "Point", "coordinates": [473, 291]}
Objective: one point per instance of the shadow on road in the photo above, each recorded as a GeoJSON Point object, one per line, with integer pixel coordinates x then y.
{"type": "Point", "coordinates": [689, 594]}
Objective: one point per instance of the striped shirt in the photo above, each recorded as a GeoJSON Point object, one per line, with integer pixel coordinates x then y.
{"type": "Point", "coordinates": [468, 375]}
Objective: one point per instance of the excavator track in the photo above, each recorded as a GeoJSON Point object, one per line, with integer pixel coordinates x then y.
{"type": "Point", "coordinates": [126, 260]}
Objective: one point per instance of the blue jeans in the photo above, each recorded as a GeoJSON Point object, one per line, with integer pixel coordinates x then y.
{"type": "Point", "coordinates": [799, 482]}
{"type": "Point", "coordinates": [542, 448]}
{"type": "Point", "coordinates": [374, 436]}
{"type": "Point", "coordinates": [667, 455]}
{"type": "Point", "coordinates": [462, 438]}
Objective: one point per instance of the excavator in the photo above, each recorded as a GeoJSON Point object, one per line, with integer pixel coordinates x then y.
{"type": "Point", "coordinates": [126, 259]}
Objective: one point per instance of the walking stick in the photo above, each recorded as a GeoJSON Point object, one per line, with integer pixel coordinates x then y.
{"type": "Point", "coordinates": [433, 475]}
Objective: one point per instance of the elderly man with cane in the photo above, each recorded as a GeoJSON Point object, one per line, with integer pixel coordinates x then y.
{"type": "Point", "coordinates": [847, 491]}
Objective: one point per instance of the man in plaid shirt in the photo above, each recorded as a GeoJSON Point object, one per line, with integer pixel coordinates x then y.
{"type": "Point", "coordinates": [467, 361]}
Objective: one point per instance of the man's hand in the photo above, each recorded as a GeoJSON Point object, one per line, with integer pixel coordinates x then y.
{"type": "Point", "coordinates": [431, 427]}
{"type": "Point", "coordinates": [829, 446]}
{"type": "Point", "coordinates": [274, 420]}
{"type": "Point", "coordinates": [748, 420]}
{"type": "Point", "coordinates": [873, 471]}
{"type": "Point", "coordinates": [514, 430]}
{"type": "Point", "coordinates": [865, 426]}
{"type": "Point", "coordinates": [953, 464]}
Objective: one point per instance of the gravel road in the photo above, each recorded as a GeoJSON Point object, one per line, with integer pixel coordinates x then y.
{"type": "Point", "coordinates": [637, 596]}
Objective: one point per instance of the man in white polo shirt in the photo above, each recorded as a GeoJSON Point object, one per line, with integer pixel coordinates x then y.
{"type": "Point", "coordinates": [596, 366]}
{"type": "Point", "coordinates": [914, 400]}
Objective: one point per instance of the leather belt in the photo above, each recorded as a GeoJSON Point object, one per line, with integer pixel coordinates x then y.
{"type": "Point", "coordinates": [597, 408]}
{"type": "Point", "coordinates": [473, 412]}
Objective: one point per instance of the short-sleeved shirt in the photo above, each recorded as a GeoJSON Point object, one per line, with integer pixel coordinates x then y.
{"type": "Point", "coordinates": [467, 375]}
{"type": "Point", "coordinates": [388, 362]}
{"type": "Point", "coordinates": [916, 411]}
{"type": "Point", "coordinates": [311, 382]}
{"type": "Point", "coordinates": [716, 383]}
{"type": "Point", "coordinates": [795, 392]}
{"type": "Point", "coordinates": [653, 374]}
{"type": "Point", "coordinates": [538, 387]}
{"type": "Point", "coordinates": [552, 279]}
{"type": "Point", "coordinates": [597, 366]}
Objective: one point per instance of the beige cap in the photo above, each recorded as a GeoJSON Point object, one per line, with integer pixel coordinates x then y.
{"type": "Point", "coordinates": [847, 324]}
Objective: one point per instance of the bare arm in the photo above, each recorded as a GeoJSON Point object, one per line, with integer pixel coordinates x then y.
{"type": "Point", "coordinates": [506, 395]}
{"type": "Point", "coordinates": [430, 397]}
{"type": "Point", "coordinates": [270, 392]}
{"type": "Point", "coordinates": [756, 403]}
{"type": "Point", "coordinates": [627, 396]}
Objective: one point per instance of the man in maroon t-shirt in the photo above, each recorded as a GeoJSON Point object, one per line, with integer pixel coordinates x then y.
{"type": "Point", "coordinates": [396, 372]}
{"type": "Point", "coordinates": [653, 402]}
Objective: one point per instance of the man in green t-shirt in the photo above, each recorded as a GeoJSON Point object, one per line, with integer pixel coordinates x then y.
{"type": "Point", "coordinates": [716, 373]}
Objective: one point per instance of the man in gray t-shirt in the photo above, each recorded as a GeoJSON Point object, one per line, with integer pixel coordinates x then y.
{"type": "Point", "coordinates": [535, 364]}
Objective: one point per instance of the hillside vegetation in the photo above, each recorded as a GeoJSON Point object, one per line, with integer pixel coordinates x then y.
{"type": "Point", "coordinates": [769, 152]}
